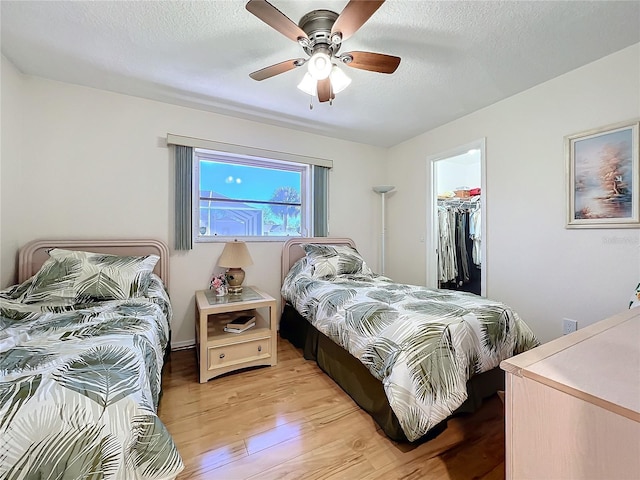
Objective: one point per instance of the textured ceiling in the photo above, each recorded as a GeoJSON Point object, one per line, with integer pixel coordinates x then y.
{"type": "Point", "coordinates": [457, 57]}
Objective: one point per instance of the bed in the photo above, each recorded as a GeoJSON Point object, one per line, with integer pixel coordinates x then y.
{"type": "Point", "coordinates": [410, 356]}
{"type": "Point", "coordinates": [83, 338]}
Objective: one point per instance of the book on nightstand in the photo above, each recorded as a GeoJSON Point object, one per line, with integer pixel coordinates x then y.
{"type": "Point", "coordinates": [240, 324]}
{"type": "Point", "coordinates": [239, 330]}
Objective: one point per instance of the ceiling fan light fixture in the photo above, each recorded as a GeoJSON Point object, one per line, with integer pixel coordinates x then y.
{"type": "Point", "coordinates": [321, 34]}
{"type": "Point", "coordinates": [319, 65]}
{"type": "Point", "coordinates": [339, 80]}
{"type": "Point", "coordinates": [308, 85]}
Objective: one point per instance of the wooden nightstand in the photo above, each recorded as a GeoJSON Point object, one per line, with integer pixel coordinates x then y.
{"type": "Point", "coordinates": [221, 352]}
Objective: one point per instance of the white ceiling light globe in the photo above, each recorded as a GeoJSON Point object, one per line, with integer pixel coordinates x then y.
{"type": "Point", "coordinates": [308, 85]}
{"type": "Point", "coordinates": [319, 65]}
{"type": "Point", "coordinates": [339, 80]}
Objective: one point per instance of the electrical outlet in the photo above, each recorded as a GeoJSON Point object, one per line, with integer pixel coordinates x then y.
{"type": "Point", "coordinates": [569, 325]}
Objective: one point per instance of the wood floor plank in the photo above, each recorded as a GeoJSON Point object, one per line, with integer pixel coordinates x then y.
{"type": "Point", "coordinates": [291, 421]}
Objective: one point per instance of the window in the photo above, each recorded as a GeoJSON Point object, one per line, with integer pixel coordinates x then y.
{"type": "Point", "coordinates": [240, 196]}
{"type": "Point", "coordinates": [225, 191]}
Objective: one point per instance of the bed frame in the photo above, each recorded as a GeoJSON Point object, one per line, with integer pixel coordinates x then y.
{"type": "Point", "coordinates": [35, 253]}
{"type": "Point", "coordinates": [349, 373]}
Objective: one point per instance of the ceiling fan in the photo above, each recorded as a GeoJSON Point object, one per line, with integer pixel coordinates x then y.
{"type": "Point", "coordinates": [321, 33]}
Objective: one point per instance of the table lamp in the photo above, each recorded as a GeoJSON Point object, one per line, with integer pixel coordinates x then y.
{"type": "Point", "coordinates": [235, 256]}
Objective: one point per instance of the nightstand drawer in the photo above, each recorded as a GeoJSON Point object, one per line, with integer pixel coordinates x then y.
{"type": "Point", "coordinates": [238, 353]}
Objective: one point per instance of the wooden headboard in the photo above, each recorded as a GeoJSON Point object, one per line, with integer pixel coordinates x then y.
{"type": "Point", "coordinates": [34, 254]}
{"type": "Point", "coordinates": [292, 250]}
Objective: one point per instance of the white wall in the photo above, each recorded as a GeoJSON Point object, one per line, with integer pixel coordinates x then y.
{"type": "Point", "coordinates": [11, 119]}
{"type": "Point", "coordinates": [98, 167]}
{"type": "Point", "coordinates": [546, 272]}
{"type": "Point", "coordinates": [460, 171]}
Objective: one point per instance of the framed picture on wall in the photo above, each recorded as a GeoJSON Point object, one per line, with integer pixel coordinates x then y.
{"type": "Point", "coordinates": [603, 170]}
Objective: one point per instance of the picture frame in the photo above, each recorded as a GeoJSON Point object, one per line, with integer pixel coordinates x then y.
{"type": "Point", "coordinates": [603, 177]}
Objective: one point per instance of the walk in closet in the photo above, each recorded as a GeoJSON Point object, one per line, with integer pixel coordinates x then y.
{"type": "Point", "coordinates": [456, 245]}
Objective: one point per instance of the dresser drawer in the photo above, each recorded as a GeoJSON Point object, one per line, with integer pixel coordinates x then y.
{"type": "Point", "coordinates": [239, 352]}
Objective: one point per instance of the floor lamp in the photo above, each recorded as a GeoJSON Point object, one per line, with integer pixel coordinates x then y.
{"type": "Point", "coordinates": [382, 190]}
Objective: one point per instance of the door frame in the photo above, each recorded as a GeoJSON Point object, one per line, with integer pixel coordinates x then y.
{"type": "Point", "coordinates": [432, 211]}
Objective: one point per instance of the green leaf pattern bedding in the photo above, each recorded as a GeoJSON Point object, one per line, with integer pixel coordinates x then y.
{"type": "Point", "coordinates": [80, 386]}
{"type": "Point", "coordinates": [423, 344]}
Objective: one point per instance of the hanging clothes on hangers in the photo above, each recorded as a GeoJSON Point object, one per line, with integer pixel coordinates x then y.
{"type": "Point", "coordinates": [459, 244]}
{"type": "Point", "coordinates": [475, 229]}
{"type": "Point", "coordinates": [447, 267]}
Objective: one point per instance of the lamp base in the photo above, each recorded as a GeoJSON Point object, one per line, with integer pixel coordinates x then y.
{"type": "Point", "coordinates": [235, 277]}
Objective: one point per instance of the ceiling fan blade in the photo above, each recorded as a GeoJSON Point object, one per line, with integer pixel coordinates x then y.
{"type": "Point", "coordinates": [374, 62]}
{"type": "Point", "coordinates": [324, 90]}
{"type": "Point", "coordinates": [354, 15]}
{"type": "Point", "coordinates": [276, 69]}
{"type": "Point", "coordinates": [275, 19]}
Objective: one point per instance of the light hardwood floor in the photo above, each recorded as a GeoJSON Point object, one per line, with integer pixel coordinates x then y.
{"type": "Point", "coordinates": [291, 421]}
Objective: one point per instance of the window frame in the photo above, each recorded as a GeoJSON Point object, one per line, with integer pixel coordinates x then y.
{"type": "Point", "coordinates": [306, 193]}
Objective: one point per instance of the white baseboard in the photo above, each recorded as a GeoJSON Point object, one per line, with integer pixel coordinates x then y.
{"type": "Point", "coordinates": [183, 345]}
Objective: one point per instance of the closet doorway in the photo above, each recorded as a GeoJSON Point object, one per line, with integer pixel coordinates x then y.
{"type": "Point", "coordinates": [456, 243]}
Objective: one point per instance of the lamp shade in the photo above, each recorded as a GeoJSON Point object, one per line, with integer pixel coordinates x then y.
{"type": "Point", "coordinates": [383, 188]}
{"type": "Point", "coordinates": [339, 80]}
{"type": "Point", "coordinates": [308, 85]}
{"type": "Point", "coordinates": [234, 255]}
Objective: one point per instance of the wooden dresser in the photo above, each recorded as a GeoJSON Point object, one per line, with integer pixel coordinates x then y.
{"type": "Point", "coordinates": [573, 405]}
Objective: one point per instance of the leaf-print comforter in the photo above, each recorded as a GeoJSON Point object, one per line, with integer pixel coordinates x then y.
{"type": "Point", "coordinates": [80, 386]}
{"type": "Point", "coordinates": [423, 344]}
